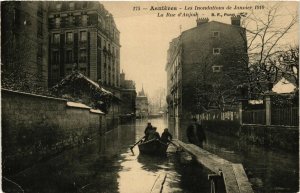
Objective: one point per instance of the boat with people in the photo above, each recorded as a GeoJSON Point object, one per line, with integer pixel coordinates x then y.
{"type": "Point", "coordinates": [153, 147]}
{"type": "Point", "coordinates": [152, 143]}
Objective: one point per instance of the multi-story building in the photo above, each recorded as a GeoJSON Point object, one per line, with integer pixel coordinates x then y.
{"type": "Point", "coordinates": [83, 35]}
{"type": "Point", "coordinates": [47, 40]}
{"type": "Point", "coordinates": [142, 105]}
{"type": "Point", "coordinates": [24, 42]}
{"type": "Point", "coordinates": [205, 67]}
{"type": "Point", "coordinates": [128, 96]}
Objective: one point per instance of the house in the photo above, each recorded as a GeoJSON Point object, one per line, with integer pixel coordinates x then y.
{"type": "Point", "coordinates": [206, 66]}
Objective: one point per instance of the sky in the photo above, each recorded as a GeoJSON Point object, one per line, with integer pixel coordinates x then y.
{"type": "Point", "coordinates": [145, 37]}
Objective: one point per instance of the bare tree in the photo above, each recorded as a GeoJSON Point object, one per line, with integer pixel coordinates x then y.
{"type": "Point", "coordinates": [288, 64]}
{"type": "Point", "coordinates": [266, 33]}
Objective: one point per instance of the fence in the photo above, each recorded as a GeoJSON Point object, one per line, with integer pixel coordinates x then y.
{"type": "Point", "coordinates": [254, 116]}
{"type": "Point", "coordinates": [218, 115]}
{"type": "Point", "coordinates": [285, 116]}
{"type": "Point", "coordinates": [288, 116]}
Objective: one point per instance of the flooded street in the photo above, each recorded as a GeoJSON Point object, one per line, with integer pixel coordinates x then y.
{"type": "Point", "coordinates": [268, 170]}
{"type": "Point", "coordinates": [106, 165]}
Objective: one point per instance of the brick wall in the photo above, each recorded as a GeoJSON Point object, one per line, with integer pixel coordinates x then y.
{"type": "Point", "coordinates": [35, 127]}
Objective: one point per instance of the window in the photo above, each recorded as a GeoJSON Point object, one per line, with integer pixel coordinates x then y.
{"type": "Point", "coordinates": [215, 34]}
{"type": "Point", "coordinates": [58, 6]}
{"type": "Point", "coordinates": [40, 28]}
{"type": "Point", "coordinates": [217, 68]}
{"type": "Point", "coordinates": [71, 5]}
{"type": "Point", "coordinates": [83, 36]}
{"type": "Point", "coordinates": [216, 51]}
{"type": "Point", "coordinates": [69, 57]}
{"type": "Point", "coordinates": [71, 20]}
{"type": "Point", "coordinates": [84, 19]}
{"type": "Point", "coordinates": [69, 37]}
{"type": "Point", "coordinates": [83, 55]}
{"type": "Point", "coordinates": [55, 57]}
{"type": "Point", "coordinates": [56, 38]}
{"type": "Point", "coordinates": [57, 22]}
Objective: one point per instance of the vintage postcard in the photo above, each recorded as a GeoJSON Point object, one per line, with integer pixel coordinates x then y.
{"type": "Point", "coordinates": [150, 96]}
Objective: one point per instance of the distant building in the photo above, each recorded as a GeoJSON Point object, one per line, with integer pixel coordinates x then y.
{"type": "Point", "coordinates": [83, 35]}
{"type": "Point", "coordinates": [128, 96]}
{"type": "Point", "coordinates": [142, 105]}
{"type": "Point", "coordinates": [205, 66]}
{"type": "Point", "coordinates": [24, 42]}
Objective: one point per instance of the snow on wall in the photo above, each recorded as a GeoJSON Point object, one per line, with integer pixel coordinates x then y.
{"type": "Point", "coordinates": [78, 105]}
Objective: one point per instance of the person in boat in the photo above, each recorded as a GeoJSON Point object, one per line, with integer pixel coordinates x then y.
{"type": "Point", "coordinates": [195, 133]}
{"type": "Point", "coordinates": [166, 136]}
{"type": "Point", "coordinates": [153, 134]}
{"type": "Point", "coordinates": [147, 130]}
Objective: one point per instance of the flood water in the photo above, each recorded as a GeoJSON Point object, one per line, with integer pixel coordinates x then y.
{"type": "Point", "coordinates": [106, 165]}
{"type": "Point", "coordinates": [268, 170]}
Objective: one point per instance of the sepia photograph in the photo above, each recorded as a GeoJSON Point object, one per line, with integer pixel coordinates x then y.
{"type": "Point", "coordinates": [150, 96]}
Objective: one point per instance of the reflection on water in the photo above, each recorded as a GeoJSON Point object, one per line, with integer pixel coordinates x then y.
{"type": "Point", "coordinates": [268, 170]}
{"type": "Point", "coordinates": [106, 165]}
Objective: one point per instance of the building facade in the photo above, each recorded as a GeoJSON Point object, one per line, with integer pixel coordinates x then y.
{"type": "Point", "coordinates": [128, 96]}
{"type": "Point", "coordinates": [142, 105]}
{"type": "Point", "coordinates": [205, 67]}
{"type": "Point", "coordinates": [24, 42]}
{"type": "Point", "coordinates": [83, 35]}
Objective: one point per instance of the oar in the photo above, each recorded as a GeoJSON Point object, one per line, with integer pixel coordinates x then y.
{"type": "Point", "coordinates": [173, 143]}
{"type": "Point", "coordinates": [136, 144]}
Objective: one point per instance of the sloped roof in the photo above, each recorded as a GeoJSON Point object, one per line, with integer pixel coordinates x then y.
{"type": "Point", "coordinates": [79, 88]}
{"type": "Point", "coordinates": [78, 76]}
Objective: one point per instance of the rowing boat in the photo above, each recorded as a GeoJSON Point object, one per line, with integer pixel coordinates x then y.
{"type": "Point", "coordinates": [153, 147]}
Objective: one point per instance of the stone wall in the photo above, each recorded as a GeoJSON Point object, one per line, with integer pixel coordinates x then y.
{"type": "Point", "coordinates": [35, 127]}
{"type": "Point", "coordinates": [268, 136]}
{"type": "Point", "coordinates": [222, 127]}
{"type": "Point", "coordinates": [271, 136]}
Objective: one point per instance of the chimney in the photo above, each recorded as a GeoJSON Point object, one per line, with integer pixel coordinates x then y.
{"type": "Point", "coordinates": [202, 21]}
{"type": "Point", "coordinates": [236, 20]}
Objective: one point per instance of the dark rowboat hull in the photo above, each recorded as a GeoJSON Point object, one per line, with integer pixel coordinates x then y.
{"type": "Point", "coordinates": [153, 147]}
